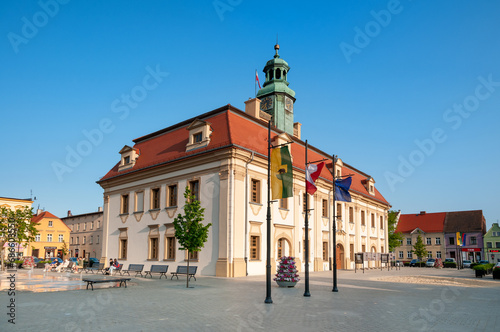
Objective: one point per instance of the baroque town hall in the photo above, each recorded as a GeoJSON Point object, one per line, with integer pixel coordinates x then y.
{"type": "Point", "coordinates": [222, 156]}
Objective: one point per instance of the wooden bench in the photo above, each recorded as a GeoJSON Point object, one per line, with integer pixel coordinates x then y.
{"type": "Point", "coordinates": [183, 270]}
{"type": "Point", "coordinates": [91, 282]}
{"type": "Point", "coordinates": [118, 269]}
{"type": "Point", "coordinates": [95, 268]}
{"type": "Point", "coordinates": [137, 268]}
{"type": "Point", "coordinates": [161, 269]}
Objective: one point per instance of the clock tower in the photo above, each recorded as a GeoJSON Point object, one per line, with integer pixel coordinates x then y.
{"type": "Point", "coordinates": [276, 97]}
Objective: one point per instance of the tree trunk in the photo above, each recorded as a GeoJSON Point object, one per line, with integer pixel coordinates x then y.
{"type": "Point", "coordinates": [187, 275]}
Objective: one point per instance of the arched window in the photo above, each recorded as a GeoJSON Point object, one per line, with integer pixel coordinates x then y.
{"type": "Point", "coordinates": [278, 73]}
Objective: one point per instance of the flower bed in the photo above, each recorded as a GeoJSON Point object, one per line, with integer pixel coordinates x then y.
{"type": "Point", "coordinates": [286, 274]}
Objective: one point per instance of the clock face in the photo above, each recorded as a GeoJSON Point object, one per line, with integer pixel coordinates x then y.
{"type": "Point", "coordinates": [289, 104]}
{"type": "Point", "coordinates": [266, 103]}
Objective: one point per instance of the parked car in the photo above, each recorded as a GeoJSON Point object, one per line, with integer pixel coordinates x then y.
{"type": "Point", "coordinates": [430, 262]}
{"type": "Point", "coordinates": [414, 262]}
{"type": "Point", "coordinates": [37, 260]}
{"type": "Point", "coordinates": [484, 262]}
{"type": "Point", "coordinates": [450, 260]}
{"type": "Point", "coordinates": [466, 264]}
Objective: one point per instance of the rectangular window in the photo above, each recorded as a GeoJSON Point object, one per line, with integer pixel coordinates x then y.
{"type": "Point", "coordinates": [351, 215]}
{"type": "Point", "coordinates": [284, 203]}
{"type": "Point", "coordinates": [155, 198]}
{"type": "Point", "coordinates": [172, 195]}
{"type": "Point", "coordinates": [452, 240]}
{"type": "Point", "coordinates": [123, 249]}
{"type": "Point", "coordinates": [61, 238]}
{"type": "Point", "coordinates": [171, 247]}
{"type": "Point", "coordinates": [324, 208]}
{"type": "Point", "coordinates": [84, 240]}
{"type": "Point", "coordinates": [98, 224]}
{"type": "Point", "coordinates": [153, 248]}
{"type": "Point", "coordinates": [363, 222]}
{"type": "Point", "coordinates": [124, 204]}
{"type": "Point", "coordinates": [363, 248]}
{"type": "Point", "coordinates": [49, 237]}
{"type": "Point", "coordinates": [409, 254]}
{"type": "Point", "coordinates": [194, 186]}
{"type": "Point", "coordinates": [84, 226]}
{"type": "Point", "coordinates": [339, 211]}
{"type": "Point", "coordinates": [488, 244]}
{"type": "Point", "coordinates": [254, 247]}
{"type": "Point", "coordinates": [139, 201]}
{"type": "Point", "coordinates": [77, 227]}
{"type": "Point", "coordinates": [325, 251]}
{"type": "Point", "coordinates": [304, 200]}
{"type": "Point", "coordinates": [401, 255]}
{"type": "Point", "coordinates": [496, 233]}
{"type": "Point", "coordinates": [97, 240]}
{"type": "Point", "coordinates": [37, 238]}
{"type": "Point", "coordinates": [92, 225]}
{"type": "Point", "coordinates": [497, 244]}
{"type": "Point", "coordinates": [255, 191]}
{"type": "Point", "coordinates": [400, 242]}
{"type": "Point", "coordinates": [71, 240]}
{"type": "Point", "coordinates": [77, 240]}
{"type": "Point", "coordinates": [91, 239]}
{"type": "Point", "coordinates": [408, 241]}
{"type": "Point", "coordinates": [473, 240]}
{"type": "Point", "coordinates": [438, 240]}
{"type": "Point", "coordinates": [351, 251]}
{"type": "Point", "coordinates": [198, 137]}
{"type": "Point", "coordinates": [373, 220]}
{"type": "Point", "coordinates": [193, 255]}
{"type": "Point", "coordinates": [126, 160]}
{"type": "Point", "coordinates": [50, 223]}
{"type": "Point", "coordinates": [381, 222]}
{"type": "Point", "coordinates": [429, 254]}
{"type": "Point", "coordinates": [428, 240]}
{"type": "Point", "coordinates": [438, 254]}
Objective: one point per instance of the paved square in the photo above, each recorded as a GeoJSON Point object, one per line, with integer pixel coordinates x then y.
{"type": "Point", "coordinates": [411, 299]}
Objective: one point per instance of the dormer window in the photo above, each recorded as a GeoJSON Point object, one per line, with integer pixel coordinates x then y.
{"type": "Point", "coordinates": [199, 135]}
{"type": "Point", "coordinates": [369, 185]}
{"type": "Point", "coordinates": [129, 157]}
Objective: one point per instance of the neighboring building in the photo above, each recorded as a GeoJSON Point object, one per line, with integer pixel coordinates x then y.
{"type": "Point", "coordinates": [492, 244]}
{"type": "Point", "coordinates": [473, 225]}
{"type": "Point", "coordinates": [53, 234]}
{"type": "Point", "coordinates": [15, 204]}
{"type": "Point", "coordinates": [222, 157]}
{"type": "Point", "coordinates": [86, 234]}
{"type": "Point", "coordinates": [429, 226]}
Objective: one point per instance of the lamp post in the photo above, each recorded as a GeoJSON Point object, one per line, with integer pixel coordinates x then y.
{"type": "Point", "coordinates": [334, 230]}
{"type": "Point", "coordinates": [268, 217]}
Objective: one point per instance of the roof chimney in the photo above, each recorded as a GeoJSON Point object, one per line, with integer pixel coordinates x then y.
{"type": "Point", "coordinates": [99, 209]}
{"type": "Point", "coordinates": [296, 129]}
{"type": "Point", "coordinates": [252, 107]}
{"type": "Point", "coordinates": [39, 211]}
{"type": "Point", "coordinates": [69, 213]}
{"type": "Point", "coordinates": [422, 212]}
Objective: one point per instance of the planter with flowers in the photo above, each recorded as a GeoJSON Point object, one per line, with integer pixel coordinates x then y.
{"type": "Point", "coordinates": [286, 275]}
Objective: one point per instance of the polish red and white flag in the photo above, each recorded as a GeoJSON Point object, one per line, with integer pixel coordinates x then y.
{"type": "Point", "coordinates": [312, 173]}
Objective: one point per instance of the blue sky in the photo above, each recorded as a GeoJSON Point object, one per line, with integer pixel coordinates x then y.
{"type": "Point", "coordinates": [406, 91]}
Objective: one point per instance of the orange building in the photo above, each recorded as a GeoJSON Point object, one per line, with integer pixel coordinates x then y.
{"type": "Point", "coordinates": [52, 236]}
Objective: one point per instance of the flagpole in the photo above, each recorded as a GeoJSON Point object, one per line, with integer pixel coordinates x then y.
{"type": "Point", "coordinates": [306, 249]}
{"type": "Point", "coordinates": [268, 217]}
{"type": "Point", "coordinates": [255, 84]}
{"type": "Point", "coordinates": [335, 289]}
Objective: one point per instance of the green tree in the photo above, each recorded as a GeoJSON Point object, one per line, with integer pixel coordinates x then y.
{"type": "Point", "coordinates": [419, 248]}
{"type": "Point", "coordinates": [189, 230]}
{"type": "Point", "coordinates": [16, 225]}
{"type": "Point", "coordinates": [64, 249]}
{"type": "Point", "coordinates": [395, 238]}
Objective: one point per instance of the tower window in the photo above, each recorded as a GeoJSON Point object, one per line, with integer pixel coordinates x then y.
{"type": "Point", "coordinates": [271, 75]}
{"type": "Point", "coordinates": [278, 74]}
{"type": "Point", "coordinates": [284, 74]}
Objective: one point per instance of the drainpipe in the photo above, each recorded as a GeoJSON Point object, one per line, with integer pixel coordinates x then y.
{"type": "Point", "coordinates": [246, 211]}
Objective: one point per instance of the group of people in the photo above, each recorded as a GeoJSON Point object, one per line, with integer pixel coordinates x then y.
{"type": "Point", "coordinates": [113, 265]}
{"type": "Point", "coordinates": [59, 267]}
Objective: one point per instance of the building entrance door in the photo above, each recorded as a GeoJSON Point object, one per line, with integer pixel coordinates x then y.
{"type": "Point", "coordinates": [340, 256]}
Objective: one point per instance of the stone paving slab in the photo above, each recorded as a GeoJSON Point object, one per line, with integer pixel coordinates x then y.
{"type": "Point", "coordinates": [363, 303]}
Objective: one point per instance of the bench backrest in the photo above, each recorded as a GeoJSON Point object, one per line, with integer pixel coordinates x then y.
{"type": "Point", "coordinates": [70, 265]}
{"type": "Point", "coordinates": [159, 268]}
{"type": "Point", "coordinates": [183, 269]}
{"type": "Point", "coordinates": [119, 268]}
{"type": "Point", "coordinates": [136, 267]}
{"type": "Point", "coordinates": [101, 266]}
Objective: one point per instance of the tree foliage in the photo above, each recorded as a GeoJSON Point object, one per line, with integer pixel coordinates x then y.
{"type": "Point", "coordinates": [395, 238]}
{"type": "Point", "coordinates": [419, 248]}
{"type": "Point", "coordinates": [189, 230]}
{"type": "Point", "coordinates": [16, 226]}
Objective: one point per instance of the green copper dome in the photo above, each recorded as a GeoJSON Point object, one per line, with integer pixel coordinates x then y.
{"type": "Point", "coordinates": [276, 71]}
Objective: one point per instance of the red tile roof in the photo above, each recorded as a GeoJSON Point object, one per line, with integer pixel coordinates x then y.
{"type": "Point", "coordinates": [427, 222]}
{"type": "Point", "coordinates": [231, 128]}
{"type": "Point", "coordinates": [44, 214]}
